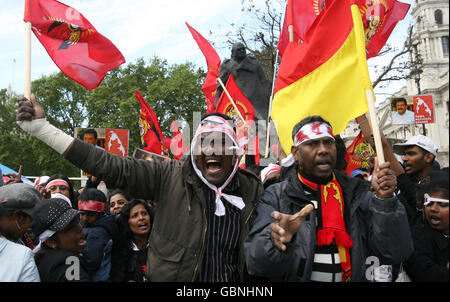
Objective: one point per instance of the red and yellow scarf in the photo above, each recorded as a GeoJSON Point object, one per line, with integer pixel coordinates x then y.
{"type": "Point", "coordinates": [333, 226]}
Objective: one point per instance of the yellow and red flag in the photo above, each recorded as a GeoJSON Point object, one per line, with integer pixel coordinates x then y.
{"type": "Point", "coordinates": [76, 47]}
{"type": "Point", "coordinates": [177, 144]}
{"type": "Point", "coordinates": [358, 154]}
{"type": "Point", "coordinates": [213, 61]}
{"type": "Point", "coordinates": [326, 75]}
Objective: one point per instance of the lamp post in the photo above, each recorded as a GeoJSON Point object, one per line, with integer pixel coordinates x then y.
{"type": "Point", "coordinates": [415, 73]}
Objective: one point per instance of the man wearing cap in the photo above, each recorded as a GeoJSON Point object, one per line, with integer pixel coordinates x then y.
{"type": "Point", "coordinates": [320, 225]}
{"type": "Point", "coordinates": [205, 203]}
{"type": "Point", "coordinates": [17, 202]}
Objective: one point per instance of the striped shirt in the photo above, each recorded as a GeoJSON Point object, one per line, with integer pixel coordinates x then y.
{"type": "Point", "coordinates": [220, 259]}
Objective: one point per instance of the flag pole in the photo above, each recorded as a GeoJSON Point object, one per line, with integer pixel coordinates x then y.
{"type": "Point", "coordinates": [231, 100]}
{"type": "Point", "coordinates": [275, 71]}
{"type": "Point", "coordinates": [361, 49]}
{"type": "Point", "coordinates": [27, 87]}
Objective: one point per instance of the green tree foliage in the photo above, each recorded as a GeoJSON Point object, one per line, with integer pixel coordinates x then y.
{"type": "Point", "coordinates": [173, 91]}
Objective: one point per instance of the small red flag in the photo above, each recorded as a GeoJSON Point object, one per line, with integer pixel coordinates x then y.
{"type": "Point", "coordinates": [358, 154]}
{"type": "Point", "coordinates": [177, 145]}
{"type": "Point", "coordinates": [247, 111]}
{"type": "Point", "coordinates": [380, 19]}
{"type": "Point", "coordinates": [152, 137]}
{"type": "Point", "coordinates": [76, 47]}
{"type": "Point", "coordinates": [213, 61]}
{"type": "Point", "coordinates": [300, 14]}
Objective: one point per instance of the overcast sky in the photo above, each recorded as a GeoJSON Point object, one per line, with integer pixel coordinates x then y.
{"type": "Point", "coordinates": [139, 28]}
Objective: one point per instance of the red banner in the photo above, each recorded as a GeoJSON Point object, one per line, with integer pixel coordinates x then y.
{"type": "Point", "coordinates": [424, 109]}
{"type": "Point", "coordinates": [116, 141]}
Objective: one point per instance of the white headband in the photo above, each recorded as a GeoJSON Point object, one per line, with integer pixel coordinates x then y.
{"type": "Point", "coordinates": [429, 199]}
{"type": "Point", "coordinates": [44, 236]}
{"type": "Point", "coordinates": [312, 131]}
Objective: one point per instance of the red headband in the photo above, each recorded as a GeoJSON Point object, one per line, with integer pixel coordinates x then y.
{"type": "Point", "coordinates": [57, 182]}
{"type": "Point", "coordinates": [91, 205]}
{"type": "Point", "coordinates": [313, 131]}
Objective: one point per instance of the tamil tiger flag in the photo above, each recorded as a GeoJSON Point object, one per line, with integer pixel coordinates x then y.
{"type": "Point", "coordinates": [213, 61]}
{"type": "Point", "coordinates": [73, 43]}
{"type": "Point", "coordinates": [152, 137]}
{"type": "Point", "coordinates": [324, 75]}
{"type": "Point", "coordinates": [380, 18]}
{"type": "Point", "coordinates": [358, 154]}
{"type": "Point", "coordinates": [300, 14]}
{"type": "Point", "coordinates": [245, 132]}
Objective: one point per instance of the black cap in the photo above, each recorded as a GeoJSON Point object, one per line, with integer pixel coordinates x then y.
{"type": "Point", "coordinates": [19, 196]}
{"type": "Point", "coordinates": [52, 214]}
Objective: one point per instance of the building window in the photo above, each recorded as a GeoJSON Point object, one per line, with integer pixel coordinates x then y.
{"type": "Point", "coordinates": [438, 16]}
{"type": "Point", "coordinates": [445, 45]}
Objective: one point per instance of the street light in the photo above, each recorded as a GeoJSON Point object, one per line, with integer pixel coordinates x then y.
{"type": "Point", "coordinates": [415, 74]}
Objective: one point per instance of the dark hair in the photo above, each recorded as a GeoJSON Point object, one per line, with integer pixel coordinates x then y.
{"type": "Point", "coordinates": [92, 194]}
{"type": "Point", "coordinates": [306, 121]}
{"type": "Point", "coordinates": [72, 198]}
{"type": "Point", "coordinates": [89, 131]}
{"type": "Point", "coordinates": [124, 227]}
{"type": "Point", "coordinates": [341, 150]}
{"type": "Point", "coordinates": [435, 181]}
{"type": "Point", "coordinates": [121, 192]}
{"type": "Point", "coordinates": [400, 100]}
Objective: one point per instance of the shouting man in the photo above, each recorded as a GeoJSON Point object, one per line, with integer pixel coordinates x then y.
{"type": "Point", "coordinates": [205, 204]}
{"type": "Point", "coordinates": [320, 225]}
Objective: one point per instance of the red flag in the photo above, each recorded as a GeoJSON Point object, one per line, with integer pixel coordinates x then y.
{"type": "Point", "coordinates": [213, 61]}
{"type": "Point", "coordinates": [76, 47]}
{"type": "Point", "coordinates": [300, 14]}
{"type": "Point", "coordinates": [380, 19]}
{"type": "Point", "coordinates": [152, 137]}
{"type": "Point", "coordinates": [358, 154]}
{"type": "Point", "coordinates": [248, 113]}
{"type": "Point", "coordinates": [177, 145]}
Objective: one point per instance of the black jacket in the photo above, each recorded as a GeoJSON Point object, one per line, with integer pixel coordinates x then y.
{"type": "Point", "coordinates": [127, 264]}
{"type": "Point", "coordinates": [177, 240]}
{"type": "Point", "coordinates": [377, 227]}
{"type": "Point", "coordinates": [56, 265]}
{"type": "Point", "coordinates": [429, 261]}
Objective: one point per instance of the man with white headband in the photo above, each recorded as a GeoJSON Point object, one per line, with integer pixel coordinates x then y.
{"type": "Point", "coordinates": [320, 225]}
{"type": "Point", "coordinates": [205, 203]}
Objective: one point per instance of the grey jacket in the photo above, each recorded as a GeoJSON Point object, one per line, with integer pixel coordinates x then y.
{"type": "Point", "coordinates": [377, 227]}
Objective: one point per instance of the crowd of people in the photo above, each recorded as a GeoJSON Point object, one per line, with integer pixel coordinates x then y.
{"type": "Point", "coordinates": [203, 219]}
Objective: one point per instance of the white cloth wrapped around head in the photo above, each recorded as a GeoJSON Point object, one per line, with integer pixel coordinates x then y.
{"type": "Point", "coordinates": [218, 124]}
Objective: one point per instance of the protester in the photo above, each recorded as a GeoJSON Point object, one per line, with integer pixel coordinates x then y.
{"type": "Point", "coordinates": [296, 238]}
{"type": "Point", "coordinates": [100, 230]}
{"type": "Point", "coordinates": [129, 255]}
{"type": "Point", "coordinates": [16, 259]}
{"type": "Point", "coordinates": [17, 202]}
{"type": "Point", "coordinates": [60, 184]}
{"type": "Point", "coordinates": [360, 174]}
{"type": "Point", "coordinates": [270, 175]}
{"type": "Point", "coordinates": [40, 183]}
{"type": "Point", "coordinates": [194, 197]}
{"type": "Point", "coordinates": [117, 199]}
{"type": "Point", "coordinates": [430, 260]}
{"type": "Point", "coordinates": [61, 240]}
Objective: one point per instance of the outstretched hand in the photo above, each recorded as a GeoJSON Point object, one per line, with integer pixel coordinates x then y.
{"type": "Point", "coordinates": [29, 109]}
{"type": "Point", "coordinates": [285, 226]}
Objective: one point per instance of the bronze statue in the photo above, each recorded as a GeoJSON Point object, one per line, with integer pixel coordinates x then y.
{"type": "Point", "coordinates": [250, 77]}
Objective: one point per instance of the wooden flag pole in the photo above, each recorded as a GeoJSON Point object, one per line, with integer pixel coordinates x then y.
{"type": "Point", "coordinates": [375, 127]}
{"type": "Point", "coordinates": [27, 88]}
{"type": "Point", "coordinates": [231, 100]}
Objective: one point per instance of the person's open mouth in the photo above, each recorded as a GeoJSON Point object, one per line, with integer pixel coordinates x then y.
{"type": "Point", "coordinates": [213, 165]}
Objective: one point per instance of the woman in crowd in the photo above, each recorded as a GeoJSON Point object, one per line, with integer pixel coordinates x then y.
{"type": "Point", "coordinates": [130, 252]}
{"type": "Point", "coordinates": [430, 259]}
{"type": "Point", "coordinates": [61, 240]}
{"type": "Point", "coordinates": [60, 184]}
{"type": "Point", "coordinates": [117, 199]}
